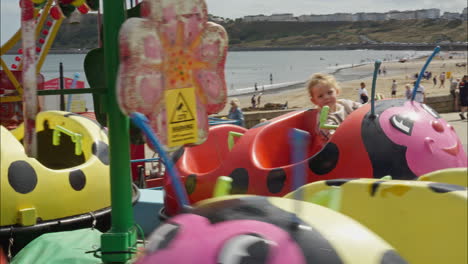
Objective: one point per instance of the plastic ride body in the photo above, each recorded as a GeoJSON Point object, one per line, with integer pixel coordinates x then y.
{"type": "Point", "coordinates": [256, 229]}
{"type": "Point", "coordinates": [60, 188]}
{"type": "Point", "coordinates": [362, 147]}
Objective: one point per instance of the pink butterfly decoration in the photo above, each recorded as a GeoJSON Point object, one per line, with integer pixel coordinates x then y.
{"type": "Point", "coordinates": [172, 47]}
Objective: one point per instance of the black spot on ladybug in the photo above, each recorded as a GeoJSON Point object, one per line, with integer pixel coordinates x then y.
{"type": "Point", "coordinates": [337, 182]}
{"type": "Point", "coordinates": [191, 183]}
{"type": "Point", "coordinates": [77, 180]}
{"type": "Point", "coordinates": [275, 180]}
{"type": "Point", "coordinates": [391, 257]}
{"type": "Point", "coordinates": [326, 160]}
{"type": "Point", "coordinates": [261, 124]}
{"type": "Point", "coordinates": [22, 177]}
{"type": "Point", "coordinates": [445, 187]}
{"type": "Point", "coordinates": [375, 186]}
{"type": "Point", "coordinates": [240, 181]}
{"type": "Point", "coordinates": [101, 150]}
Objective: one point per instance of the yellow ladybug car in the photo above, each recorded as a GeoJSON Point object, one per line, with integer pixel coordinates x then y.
{"type": "Point", "coordinates": [425, 221]}
{"type": "Point", "coordinates": [66, 186]}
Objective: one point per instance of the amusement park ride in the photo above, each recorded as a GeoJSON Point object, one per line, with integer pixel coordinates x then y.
{"type": "Point", "coordinates": [389, 186]}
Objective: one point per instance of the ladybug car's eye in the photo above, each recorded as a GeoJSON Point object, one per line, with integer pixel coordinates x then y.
{"type": "Point", "coordinates": [243, 249]}
{"type": "Point", "coordinates": [403, 124]}
{"type": "Point", "coordinates": [162, 237]}
{"type": "Point", "coordinates": [430, 111]}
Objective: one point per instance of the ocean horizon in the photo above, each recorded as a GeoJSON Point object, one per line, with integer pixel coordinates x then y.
{"type": "Point", "coordinates": [246, 69]}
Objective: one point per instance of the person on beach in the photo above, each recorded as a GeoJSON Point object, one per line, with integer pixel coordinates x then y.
{"type": "Point", "coordinates": [271, 78]}
{"type": "Point", "coordinates": [453, 86]}
{"type": "Point", "coordinates": [323, 89]}
{"type": "Point", "coordinates": [253, 101]}
{"type": "Point", "coordinates": [463, 87]}
{"type": "Point", "coordinates": [408, 91]}
{"type": "Point", "coordinates": [442, 80]}
{"type": "Point", "coordinates": [394, 88]}
{"type": "Point", "coordinates": [434, 80]}
{"type": "Point", "coordinates": [235, 112]}
{"type": "Point", "coordinates": [256, 88]}
{"type": "Point", "coordinates": [363, 95]}
{"type": "Point", "coordinates": [420, 96]}
{"type": "Point", "coordinates": [429, 75]}
{"type": "Point", "coordinates": [259, 97]}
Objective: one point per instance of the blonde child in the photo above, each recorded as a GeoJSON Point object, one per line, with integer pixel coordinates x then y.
{"type": "Point", "coordinates": [323, 89]}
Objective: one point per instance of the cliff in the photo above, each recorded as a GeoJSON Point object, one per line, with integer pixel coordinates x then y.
{"type": "Point", "coordinates": [392, 34]}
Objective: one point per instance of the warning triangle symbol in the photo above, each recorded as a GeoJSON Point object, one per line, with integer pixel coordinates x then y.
{"type": "Point", "coordinates": [182, 112]}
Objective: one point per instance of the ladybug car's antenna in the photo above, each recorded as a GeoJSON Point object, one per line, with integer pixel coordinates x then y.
{"type": "Point", "coordinates": [141, 122]}
{"type": "Point", "coordinates": [374, 81]}
{"type": "Point", "coordinates": [416, 84]}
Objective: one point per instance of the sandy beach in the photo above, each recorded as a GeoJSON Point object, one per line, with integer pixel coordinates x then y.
{"type": "Point", "coordinates": [349, 79]}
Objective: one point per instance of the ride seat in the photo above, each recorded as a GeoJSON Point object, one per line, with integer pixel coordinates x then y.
{"type": "Point", "coordinates": [272, 148]}
{"type": "Point", "coordinates": [211, 154]}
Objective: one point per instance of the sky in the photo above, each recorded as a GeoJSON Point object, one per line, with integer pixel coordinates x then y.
{"type": "Point", "coordinates": [10, 13]}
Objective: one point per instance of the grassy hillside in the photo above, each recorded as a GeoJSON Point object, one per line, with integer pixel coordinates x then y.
{"type": "Point", "coordinates": [283, 34]}
{"type": "Point", "coordinates": [335, 33]}
{"type": "Point", "coordinates": [83, 35]}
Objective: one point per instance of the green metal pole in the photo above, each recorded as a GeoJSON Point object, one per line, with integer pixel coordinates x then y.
{"type": "Point", "coordinates": [117, 244]}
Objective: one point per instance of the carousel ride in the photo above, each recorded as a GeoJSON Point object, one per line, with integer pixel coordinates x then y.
{"type": "Point", "coordinates": [405, 140]}
{"type": "Point", "coordinates": [52, 159]}
{"type": "Point", "coordinates": [169, 79]}
{"type": "Point", "coordinates": [42, 20]}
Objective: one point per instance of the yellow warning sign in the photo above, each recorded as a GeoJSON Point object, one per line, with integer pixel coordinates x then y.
{"type": "Point", "coordinates": [181, 116]}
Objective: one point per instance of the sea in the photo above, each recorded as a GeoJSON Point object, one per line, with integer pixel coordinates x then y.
{"type": "Point", "coordinates": [246, 69]}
